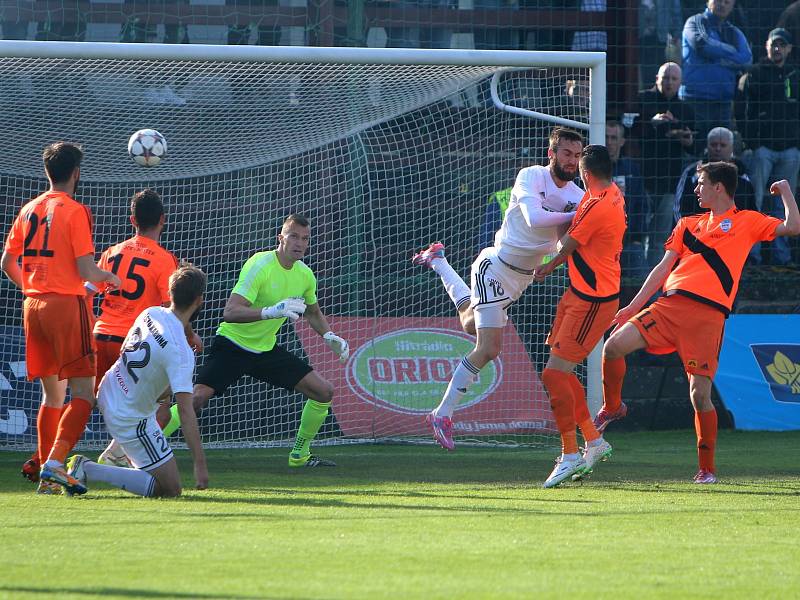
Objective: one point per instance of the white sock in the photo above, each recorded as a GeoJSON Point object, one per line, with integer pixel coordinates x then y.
{"type": "Point", "coordinates": [462, 377]}
{"type": "Point", "coordinates": [453, 284]}
{"type": "Point", "coordinates": [596, 442]}
{"type": "Point", "coordinates": [571, 456]}
{"type": "Point", "coordinates": [134, 481]}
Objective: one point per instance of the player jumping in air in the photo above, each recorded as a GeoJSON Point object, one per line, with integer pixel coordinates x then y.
{"type": "Point", "coordinates": [52, 235]}
{"type": "Point", "coordinates": [155, 358]}
{"type": "Point", "coordinates": [272, 287]}
{"type": "Point", "coordinates": [542, 200]}
{"type": "Point", "coordinates": [592, 247]}
{"type": "Point", "coordinates": [699, 276]}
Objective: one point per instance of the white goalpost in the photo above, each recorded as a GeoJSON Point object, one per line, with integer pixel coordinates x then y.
{"type": "Point", "coordinates": [385, 150]}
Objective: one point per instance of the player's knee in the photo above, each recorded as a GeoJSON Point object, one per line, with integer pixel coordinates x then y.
{"type": "Point", "coordinates": [493, 351]}
{"type": "Point", "coordinates": [468, 325]}
{"type": "Point", "coordinates": [325, 393]}
{"type": "Point", "coordinates": [167, 489]}
{"type": "Point", "coordinates": [701, 398]}
{"type": "Point", "coordinates": [612, 348]}
{"type": "Point", "coordinates": [488, 351]}
{"type": "Point", "coordinates": [200, 396]}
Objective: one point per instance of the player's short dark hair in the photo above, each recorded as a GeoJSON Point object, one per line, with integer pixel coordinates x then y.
{"type": "Point", "coordinates": [596, 160]}
{"type": "Point", "coordinates": [186, 285]}
{"type": "Point", "coordinates": [60, 160]}
{"type": "Point", "coordinates": [559, 134]}
{"type": "Point", "coordinates": [147, 208]}
{"type": "Point", "coordinates": [722, 172]}
{"type": "Point", "coordinates": [298, 219]}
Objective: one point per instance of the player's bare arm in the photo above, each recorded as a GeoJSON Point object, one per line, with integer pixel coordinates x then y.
{"type": "Point", "coordinates": [568, 246]}
{"type": "Point", "coordinates": [316, 319]}
{"type": "Point", "coordinates": [650, 286]}
{"type": "Point", "coordinates": [89, 271]}
{"type": "Point", "coordinates": [191, 432]}
{"type": "Point", "coordinates": [10, 265]}
{"type": "Point", "coordinates": [195, 341]}
{"type": "Point", "coordinates": [238, 309]}
{"type": "Point", "coordinates": [791, 224]}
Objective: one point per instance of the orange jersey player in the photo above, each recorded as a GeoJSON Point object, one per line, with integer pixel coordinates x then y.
{"type": "Point", "coordinates": [699, 276]}
{"type": "Point", "coordinates": [592, 247]}
{"type": "Point", "coordinates": [145, 268]}
{"type": "Point", "coordinates": [52, 238]}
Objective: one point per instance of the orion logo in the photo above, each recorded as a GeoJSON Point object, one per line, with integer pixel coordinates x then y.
{"type": "Point", "coordinates": [408, 370]}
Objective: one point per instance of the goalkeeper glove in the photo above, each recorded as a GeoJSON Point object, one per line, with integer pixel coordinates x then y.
{"type": "Point", "coordinates": [291, 308]}
{"type": "Point", "coordinates": [338, 345]}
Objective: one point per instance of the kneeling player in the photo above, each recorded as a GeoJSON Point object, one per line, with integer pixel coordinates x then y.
{"type": "Point", "coordinates": [155, 357]}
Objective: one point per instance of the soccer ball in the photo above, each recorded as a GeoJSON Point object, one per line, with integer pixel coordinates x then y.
{"type": "Point", "coordinates": [147, 147]}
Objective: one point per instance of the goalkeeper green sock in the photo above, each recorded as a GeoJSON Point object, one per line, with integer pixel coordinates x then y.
{"type": "Point", "coordinates": [311, 420]}
{"type": "Point", "coordinates": [174, 421]}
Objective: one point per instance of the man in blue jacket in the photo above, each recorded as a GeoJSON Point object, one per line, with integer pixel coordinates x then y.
{"type": "Point", "coordinates": [714, 52]}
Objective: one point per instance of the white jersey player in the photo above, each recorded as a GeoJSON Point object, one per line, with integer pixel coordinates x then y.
{"type": "Point", "coordinates": [156, 361]}
{"type": "Point", "coordinates": [542, 205]}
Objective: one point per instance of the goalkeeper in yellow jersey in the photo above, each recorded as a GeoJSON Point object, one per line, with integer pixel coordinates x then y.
{"type": "Point", "coordinates": [272, 287]}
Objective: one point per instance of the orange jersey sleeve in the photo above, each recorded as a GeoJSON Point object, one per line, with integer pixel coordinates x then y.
{"type": "Point", "coordinates": [50, 233]}
{"type": "Point", "coordinates": [144, 268]}
{"type": "Point", "coordinates": [712, 251]}
{"type": "Point", "coordinates": [598, 227]}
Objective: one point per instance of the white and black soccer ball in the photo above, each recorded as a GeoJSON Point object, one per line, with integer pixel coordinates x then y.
{"type": "Point", "coordinates": [147, 147]}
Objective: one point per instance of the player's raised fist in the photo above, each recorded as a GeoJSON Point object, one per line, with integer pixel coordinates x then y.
{"type": "Point", "coordinates": [779, 188]}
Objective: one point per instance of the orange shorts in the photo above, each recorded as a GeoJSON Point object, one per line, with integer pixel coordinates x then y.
{"type": "Point", "coordinates": [108, 350]}
{"type": "Point", "coordinates": [693, 329]}
{"type": "Point", "coordinates": [579, 325]}
{"type": "Point", "coordinates": [58, 336]}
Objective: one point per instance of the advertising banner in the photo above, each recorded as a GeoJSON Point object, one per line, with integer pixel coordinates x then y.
{"type": "Point", "coordinates": [399, 369]}
{"type": "Point", "coordinates": [759, 371]}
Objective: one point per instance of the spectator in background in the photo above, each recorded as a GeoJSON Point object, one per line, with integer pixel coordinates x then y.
{"type": "Point", "coordinates": [590, 41]}
{"type": "Point", "coordinates": [771, 93]}
{"type": "Point", "coordinates": [790, 21]}
{"type": "Point", "coordinates": [719, 147]}
{"type": "Point", "coordinates": [714, 52]}
{"type": "Point", "coordinates": [628, 177]}
{"type": "Point", "coordinates": [665, 130]}
{"type": "Point", "coordinates": [660, 25]}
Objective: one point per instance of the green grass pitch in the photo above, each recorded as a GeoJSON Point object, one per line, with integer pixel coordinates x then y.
{"type": "Point", "coordinates": [416, 522]}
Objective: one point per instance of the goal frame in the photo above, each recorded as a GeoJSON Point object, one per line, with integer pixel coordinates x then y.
{"type": "Point", "coordinates": [595, 62]}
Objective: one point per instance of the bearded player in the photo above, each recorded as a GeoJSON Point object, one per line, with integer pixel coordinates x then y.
{"type": "Point", "coordinates": [543, 201]}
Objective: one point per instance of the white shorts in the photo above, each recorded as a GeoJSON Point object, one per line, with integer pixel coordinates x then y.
{"type": "Point", "coordinates": [495, 287]}
{"type": "Point", "coordinates": [143, 441]}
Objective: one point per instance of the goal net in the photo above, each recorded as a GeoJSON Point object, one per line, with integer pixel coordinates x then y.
{"type": "Point", "coordinates": [384, 150]}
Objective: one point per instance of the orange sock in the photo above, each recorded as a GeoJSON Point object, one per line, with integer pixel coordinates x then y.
{"type": "Point", "coordinates": [705, 424]}
{"type": "Point", "coordinates": [582, 416]}
{"type": "Point", "coordinates": [559, 389]}
{"type": "Point", "coordinates": [70, 428]}
{"type": "Point", "coordinates": [613, 374]}
{"type": "Point", "coordinates": [46, 427]}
